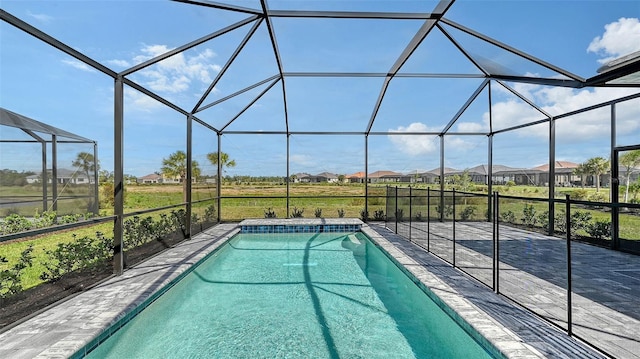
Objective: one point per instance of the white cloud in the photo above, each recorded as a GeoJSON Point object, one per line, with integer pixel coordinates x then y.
{"type": "Point", "coordinates": [43, 18]}
{"type": "Point", "coordinates": [175, 74]}
{"type": "Point", "coordinates": [119, 63]}
{"type": "Point", "coordinates": [79, 65]}
{"type": "Point", "coordinates": [620, 38]}
{"type": "Point", "coordinates": [414, 144]}
{"type": "Point", "coordinates": [302, 160]}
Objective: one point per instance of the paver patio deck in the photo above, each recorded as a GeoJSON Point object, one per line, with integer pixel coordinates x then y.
{"type": "Point", "coordinates": [65, 328]}
{"type": "Point", "coordinates": [533, 272]}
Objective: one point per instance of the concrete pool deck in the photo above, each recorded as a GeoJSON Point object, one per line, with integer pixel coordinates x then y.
{"type": "Point", "coordinates": [67, 327]}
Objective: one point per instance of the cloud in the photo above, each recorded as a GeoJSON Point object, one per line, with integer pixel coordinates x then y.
{"type": "Point", "coordinates": [119, 63]}
{"type": "Point", "coordinates": [79, 65]}
{"type": "Point", "coordinates": [302, 160]}
{"type": "Point", "coordinates": [620, 38]}
{"type": "Point", "coordinates": [175, 74]}
{"type": "Point", "coordinates": [414, 145]}
{"type": "Point", "coordinates": [43, 18]}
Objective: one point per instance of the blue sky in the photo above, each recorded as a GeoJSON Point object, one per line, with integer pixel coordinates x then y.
{"type": "Point", "coordinates": [579, 36]}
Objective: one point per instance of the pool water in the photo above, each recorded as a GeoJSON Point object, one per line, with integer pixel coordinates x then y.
{"type": "Point", "coordinates": [304, 295]}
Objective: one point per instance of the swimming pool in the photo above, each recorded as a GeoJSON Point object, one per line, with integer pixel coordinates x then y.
{"type": "Point", "coordinates": [307, 295]}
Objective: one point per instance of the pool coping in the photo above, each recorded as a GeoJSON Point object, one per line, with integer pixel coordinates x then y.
{"type": "Point", "coordinates": [480, 325]}
{"type": "Point", "coordinates": [72, 325]}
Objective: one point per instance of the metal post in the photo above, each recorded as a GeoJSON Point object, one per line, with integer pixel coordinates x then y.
{"type": "Point", "coordinates": [552, 173]}
{"type": "Point", "coordinates": [189, 178]}
{"type": "Point", "coordinates": [569, 289]}
{"type": "Point", "coordinates": [441, 215]}
{"type": "Point", "coordinates": [410, 213]}
{"type": "Point", "coordinates": [96, 187]}
{"type": "Point", "coordinates": [395, 216]}
{"type": "Point", "coordinates": [118, 176]}
{"type": "Point", "coordinates": [496, 243]}
{"type": "Point", "coordinates": [454, 227]}
{"type": "Point", "coordinates": [490, 174]}
{"type": "Point", "coordinates": [288, 174]}
{"type": "Point", "coordinates": [428, 216]}
{"type": "Point", "coordinates": [45, 178]}
{"type": "Point", "coordinates": [366, 176]}
{"type": "Point", "coordinates": [219, 179]}
{"type": "Point", "coordinates": [615, 184]}
{"type": "Point", "coordinates": [54, 171]}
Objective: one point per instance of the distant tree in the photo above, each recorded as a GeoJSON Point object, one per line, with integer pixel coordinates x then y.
{"type": "Point", "coordinates": [581, 171]}
{"type": "Point", "coordinates": [175, 166]}
{"type": "Point", "coordinates": [597, 166]}
{"type": "Point", "coordinates": [105, 176]}
{"type": "Point", "coordinates": [14, 178]}
{"type": "Point", "coordinates": [341, 178]}
{"type": "Point", "coordinates": [631, 162]}
{"type": "Point", "coordinates": [462, 181]}
{"type": "Point", "coordinates": [224, 160]}
{"type": "Point", "coordinates": [86, 163]}
{"type": "Point", "coordinates": [293, 178]}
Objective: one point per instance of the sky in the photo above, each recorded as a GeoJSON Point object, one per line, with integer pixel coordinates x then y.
{"type": "Point", "coordinates": [45, 84]}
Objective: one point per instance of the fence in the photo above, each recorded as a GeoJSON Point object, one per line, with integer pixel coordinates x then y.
{"type": "Point", "coordinates": [552, 257]}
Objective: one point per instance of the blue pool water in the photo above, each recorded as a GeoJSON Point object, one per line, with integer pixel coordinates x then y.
{"type": "Point", "coordinates": [304, 295]}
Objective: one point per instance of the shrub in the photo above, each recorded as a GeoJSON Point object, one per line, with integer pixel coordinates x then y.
{"type": "Point", "coordinates": [510, 184]}
{"type": "Point", "coordinates": [364, 215]}
{"type": "Point", "coordinates": [318, 212]}
{"type": "Point", "coordinates": [579, 220]}
{"type": "Point", "coordinates": [529, 215]}
{"type": "Point", "coordinates": [399, 214]}
{"type": "Point", "coordinates": [419, 217]}
{"type": "Point", "coordinates": [297, 213]}
{"type": "Point", "coordinates": [270, 213]}
{"type": "Point", "coordinates": [508, 217]}
{"type": "Point", "coordinates": [468, 213]}
{"type": "Point", "coordinates": [80, 254]}
{"type": "Point", "coordinates": [579, 194]}
{"type": "Point", "coordinates": [447, 212]}
{"type": "Point", "coordinates": [340, 213]}
{"type": "Point", "coordinates": [598, 197]}
{"type": "Point", "coordinates": [15, 223]}
{"type": "Point", "coordinates": [543, 219]}
{"type": "Point", "coordinates": [70, 218]}
{"type": "Point", "coordinates": [46, 219]}
{"type": "Point", "coordinates": [210, 213]}
{"type": "Point", "coordinates": [10, 282]}
{"type": "Point", "coordinates": [600, 229]}
{"type": "Point", "coordinates": [378, 215]}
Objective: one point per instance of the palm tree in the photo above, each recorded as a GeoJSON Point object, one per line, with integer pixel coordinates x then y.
{"type": "Point", "coordinates": [176, 166]}
{"type": "Point", "coordinates": [597, 166]}
{"type": "Point", "coordinates": [631, 162]}
{"type": "Point", "coordinates": [86, 163]}
{"type": "Point", "coordinates": [224, 160]}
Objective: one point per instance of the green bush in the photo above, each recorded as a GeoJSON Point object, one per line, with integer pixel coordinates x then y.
{"type": "Point", "coordinates": [10, 282]}
{"type": "Point", "coordinates": [80, 254]}
{"type": "Point", "coordinates": [318, 212]}
{"type": "Point", "coordinates": [364, 215]}
{"type": "Point", "coordinates": [399, 214]}
{"type": "Point", "coordinates": [297, 213]}
{"type": "Point", "coordinates": [468, 213]}
{"type": "Point", "coordinates": [270, 213]}
{"type": "Point", "coordinates": [340, 213]}
{"type": "Point", "coordinates": [598, 197]}
{"type": "Point", "coordinates": [600, 229]}
{"type": "Point", "coordinates": [378, 215]}
{"type": "Point", "coordinates": [15, 223]}
{"type": "Point", "coordinates": [508, 217]}
{"type": "Point", "coordinates": [529, 215]}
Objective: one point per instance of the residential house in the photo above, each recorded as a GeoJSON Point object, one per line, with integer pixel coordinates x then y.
{"type": "Point", "coordinates": [64, 176]}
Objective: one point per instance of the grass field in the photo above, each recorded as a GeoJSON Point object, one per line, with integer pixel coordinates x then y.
{"type": "Point", "coordinates": [244, 204]}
